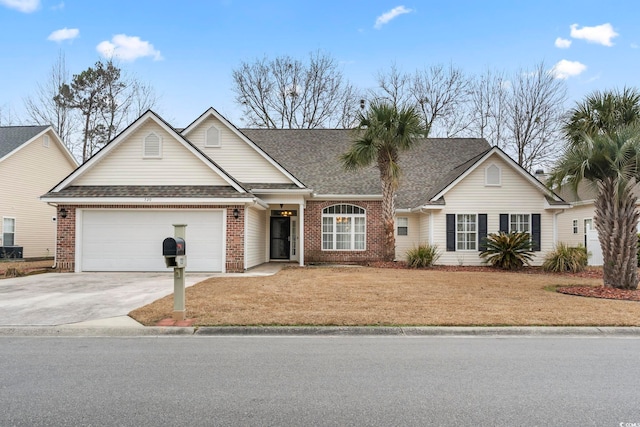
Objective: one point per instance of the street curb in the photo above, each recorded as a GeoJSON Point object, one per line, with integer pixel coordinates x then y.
{"type": "Point", "coordinates": [75, 331]}
{"type": "Point", "coordinates": [391, 331]}
{"type": "Point", "coordinates": [418, 331]}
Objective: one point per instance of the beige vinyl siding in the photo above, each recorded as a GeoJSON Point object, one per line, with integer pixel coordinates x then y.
{"type": "Point", "coordinates": [565, 224]}
{"type": "Point", "coordinates": [412, 239]}
{"type": "Point", "coordinates": [235, 156]}
{"type": "Point", "coordinates": [515, 195]}
{"type": "Point", "coordinates": [256, 238]}
{"type": "Point", "coordinates": [25, 176]}
{"type": "Point", "coordinates": [125, 165]}
{"type": "Point", "coordinates": [424, 227]}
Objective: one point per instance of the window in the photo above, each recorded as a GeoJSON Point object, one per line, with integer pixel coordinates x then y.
{"type": "Point", "coordinates": [8, 231]}
{"type": "Point", "coordinates": [575, 226]}
{"type": "Point", "coordinates": [492, 176]}
{"type": "Point", "coordinates": [466, 232]}
{"type": "Point", "coordinates": [152, 146]}
{"type": "Point", "coordinates": [343, 228]}
{"type": "Point", "coordinates": [402, 224]}
{"type": "Point", "coordinates": [45, 141]}
{"type": "Point", "coordinates": [212, 138]}
{"type": "Point", "coordinates": [519, 223]}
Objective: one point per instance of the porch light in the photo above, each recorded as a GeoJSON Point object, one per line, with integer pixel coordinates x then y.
{"type": "Point", "coordinates": [63, 213]}
{"type": "Point", "coordinates": [236, 213]}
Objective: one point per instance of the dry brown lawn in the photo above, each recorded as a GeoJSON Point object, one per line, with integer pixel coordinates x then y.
{"type": "Point", "coordinates": [23, 267]}
{"type": "Point", "coordinates": [382, 296]}
{"type": "Point", "coordinates": [378, 296]}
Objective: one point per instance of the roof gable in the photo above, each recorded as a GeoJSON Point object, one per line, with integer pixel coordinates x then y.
{"type": "Point", "coordinates": [192, 161]}
{"type": "Point", "coordinates": [458, 174]}
{"type": "Point", "coordinates": [13, 137]}
{"type": "Point", "coordinates": [237, 153]}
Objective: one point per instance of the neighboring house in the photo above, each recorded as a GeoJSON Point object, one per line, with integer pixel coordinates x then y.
{"type": "Point", "coordinates": [32, 160]}
{"type": "Point", "coordinates": [256, 195]}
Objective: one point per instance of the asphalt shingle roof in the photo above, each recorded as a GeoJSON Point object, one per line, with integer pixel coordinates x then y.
{"type": "Point", "coordinates": [156, 191]}
{"type": "Point", "coordinates": [313, 156]}
{"type": "Point", "coordinates": [12, 137]}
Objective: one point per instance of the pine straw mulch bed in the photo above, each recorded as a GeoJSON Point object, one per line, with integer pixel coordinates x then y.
{"type": "Point", "coordinates": [582, 291]}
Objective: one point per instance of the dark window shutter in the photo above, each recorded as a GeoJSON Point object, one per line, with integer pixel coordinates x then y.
{"type": "Point", "coordinates": [482, 232]}
{"type": "Point", "coordinates": [451, 232]}
{"type": "Point", "coordinates": [504, 223]}
{"type": "Point", "coordinates": [535, 231]}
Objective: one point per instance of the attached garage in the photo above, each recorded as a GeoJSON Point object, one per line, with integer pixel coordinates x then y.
{"type": "Point", "coordinates": [131, 240]}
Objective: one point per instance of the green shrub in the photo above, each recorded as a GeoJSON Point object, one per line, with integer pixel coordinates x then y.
{"type": "Point", "coordinates": [508, 251]}
{"type": "Point", "coordinates": [566, 258]}
{"type": "Point", "coordinates": [423, 256]}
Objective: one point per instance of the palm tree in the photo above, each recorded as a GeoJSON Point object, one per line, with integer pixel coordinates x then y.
{"type": "Point", "coordinates": [603, 112]}
{"type": "Point", "coordinates": [384, 131]}
{"type": "Point", "coordinates": [610, 161]}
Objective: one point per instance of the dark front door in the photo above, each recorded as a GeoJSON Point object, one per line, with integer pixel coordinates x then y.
{"type": "Point", "coordinates": [280, 229]}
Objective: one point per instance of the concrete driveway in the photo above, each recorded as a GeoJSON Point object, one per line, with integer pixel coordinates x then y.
{"type": "Point", "coordinates": [53, 299]}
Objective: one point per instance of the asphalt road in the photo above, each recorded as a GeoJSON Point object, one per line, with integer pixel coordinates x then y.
{"type": "Point", "coordinates": [325, 381]}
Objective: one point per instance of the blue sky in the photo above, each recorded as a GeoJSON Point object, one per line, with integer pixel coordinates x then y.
{"type": "Point", "coordinates": [187, 49]}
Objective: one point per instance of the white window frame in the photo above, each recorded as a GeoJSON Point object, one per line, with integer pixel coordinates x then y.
{"type": "Point", "coordinates": [487, 176]}
{"type": "Point", "coordinates": [402, 222]}
{"type": "Point", "coordinates": [45, 141]}
{"type": "Point", "coordinates": [13, 233]}
{"type": "Point", "coordinates": [144, 147]}
{"type": "Point", "coordinates": [575, 226]}
{"type": "Point", "coordinates": [518, 223]}
{"type": "Point", "coordinates": [464, 242]}
{"type": "Point", "coordinates": [331, 221]}
{"type": "Point", "coordinates": [218, 137]}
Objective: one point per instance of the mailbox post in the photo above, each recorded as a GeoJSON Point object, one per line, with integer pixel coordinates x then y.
{"type": "Point", "coordinates": [175, 255]}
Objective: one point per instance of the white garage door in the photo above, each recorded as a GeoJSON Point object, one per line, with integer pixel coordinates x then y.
{"type": "Point", "coordinates": [131, 240]}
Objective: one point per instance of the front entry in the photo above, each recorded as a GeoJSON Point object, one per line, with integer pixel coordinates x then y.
{"type": "Point", "coordinates": [280, 233]}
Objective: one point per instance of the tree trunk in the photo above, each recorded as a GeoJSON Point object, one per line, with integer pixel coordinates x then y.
{"type": "Point", "coordinates": [616, 220]}
{"type": "Point", "coordinates": [388, 210]}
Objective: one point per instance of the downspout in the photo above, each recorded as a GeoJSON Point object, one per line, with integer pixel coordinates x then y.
{"type": "Point", "coordinates": [55, 248]}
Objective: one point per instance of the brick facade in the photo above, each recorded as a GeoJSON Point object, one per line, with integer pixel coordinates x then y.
{"type": "Point", "coordinates": [313, 234]}
{"type": "Point", "coordinates": [66, 238]}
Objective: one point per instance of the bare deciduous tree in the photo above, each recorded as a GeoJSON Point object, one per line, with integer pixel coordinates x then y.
{"type": "Point", "coordinates": [535, 108]}
{"type": "Point", "coordinates": [287, 93]}
{"type": "Point", "coordinates": [42, 108]}
{"type": "Point", "coordinates": [441, 95]}
{"type": "Point", "coordinates": [488, 107]}
{"type": "Point", "coordinates": [438, 93]}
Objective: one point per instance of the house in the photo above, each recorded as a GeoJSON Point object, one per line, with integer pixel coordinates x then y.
{"type": "Point", "coordinates": [32, 159]}
{"type": "Point", "coordinates": [249, 196]}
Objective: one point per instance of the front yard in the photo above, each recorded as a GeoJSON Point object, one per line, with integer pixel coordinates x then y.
{"type": "Point", "coordinates": [358, 296]}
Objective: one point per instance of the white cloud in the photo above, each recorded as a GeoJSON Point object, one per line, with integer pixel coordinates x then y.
{"type": "Point", "coordinates": [388, 16]}
{"type": "Point", "coordinates": [26, 6]}
{"type": "Point", "coordinates": [562, 43]}
{"type": "Point", "coordinates": [600, 34]}
{"type": "Point", "coordinates": [634, 45]}
{"type": "Point", "coordinates": [127, 48]}
{"type": "Point", "coordinates": [64, 34]}
{"type": "Point", "coordinates": [565, 69]}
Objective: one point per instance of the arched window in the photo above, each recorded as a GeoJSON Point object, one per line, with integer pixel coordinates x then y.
{"type": "Point", "coordinates": [344, 228]}
{"type": "Point", "coordinates": [152, 147]}
{"type": "Point", "coordinates": [212, 138]}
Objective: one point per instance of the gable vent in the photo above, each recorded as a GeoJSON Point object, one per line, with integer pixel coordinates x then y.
{"type": "Point", "coordinates": [152, 146]}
